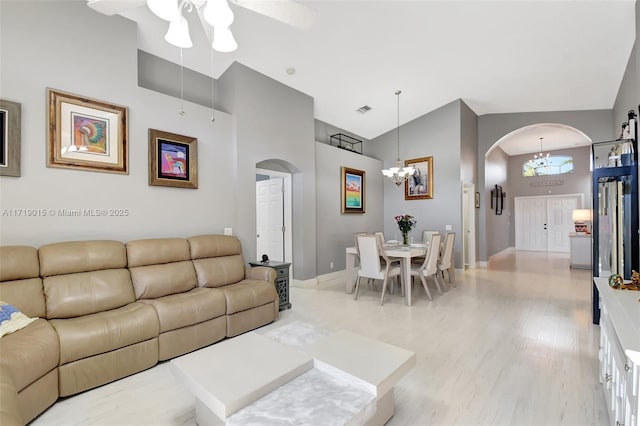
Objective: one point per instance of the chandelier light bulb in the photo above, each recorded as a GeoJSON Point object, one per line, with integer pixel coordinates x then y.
{"type": "Point", "coordinates": [178, 34]}
{"type": "Point", "coordinates": [223, 40]}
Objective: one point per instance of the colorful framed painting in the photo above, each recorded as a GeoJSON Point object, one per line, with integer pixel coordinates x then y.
{"type": "Point", "coordinates": [86, 134]}
{"type": "Point", "coordinates": [353, 190]}
{"type": "Point", "coordinates": [173, 160]}
{"type": "Point", "coordinates": [9, 138]}
{"type": "Point", "coordinates": [419, 185]}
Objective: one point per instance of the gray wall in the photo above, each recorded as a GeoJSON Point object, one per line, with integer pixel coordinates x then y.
{"type": "Point", "coordinates": [578, 182]}
{"type": "Point", "coordinates": [435, 134]}
{"type": "Point", "coordinates": [469, 155]}
{"type": "Point", "coordinates": [497, 166]}
{"type": "Point", "coordinates": [629, 93]}
{"type": "Point", "coordinates": [67, 46]}
{"type": "Point", "coordinates": [272, 121]}
{"type": "Point", "coordinates": [334, 229]}
{"type": "Point", "coordinates": [596, 124]}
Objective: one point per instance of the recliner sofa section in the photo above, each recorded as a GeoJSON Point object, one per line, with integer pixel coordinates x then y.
{"type": "Point", "coordinates": [163, 277]}
{"type": "Point", "coordinates": [29, 357]}
{"type": "Point", "coordinates": [108, 310]}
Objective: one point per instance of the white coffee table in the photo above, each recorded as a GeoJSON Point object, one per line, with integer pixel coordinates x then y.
{"type": "Point", "coordinates": [342, 378]}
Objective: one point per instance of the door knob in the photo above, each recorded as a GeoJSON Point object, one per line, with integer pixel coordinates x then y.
{"type": "Point", "coordinates": [258, 236]}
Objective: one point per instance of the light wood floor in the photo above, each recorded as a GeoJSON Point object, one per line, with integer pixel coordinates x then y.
{"type": "Point", "coordinates": [513, 344]}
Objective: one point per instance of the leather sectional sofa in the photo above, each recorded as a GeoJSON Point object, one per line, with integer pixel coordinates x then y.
{"type": "Point", "coordinates": [108, 310]}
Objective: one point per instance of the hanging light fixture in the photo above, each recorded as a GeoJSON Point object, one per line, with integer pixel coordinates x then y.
{"type": "Point", "coordinates": [540, 160]}
{"type": "Point", "coordinates": [217, 13]}
{"type": "Point", "coordinates": [399, 173]}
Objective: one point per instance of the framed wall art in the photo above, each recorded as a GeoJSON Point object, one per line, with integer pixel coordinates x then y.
{"type": "Point", "coordinates": [10, 138]}
{"type": "Point", "coordinates": [419, 185]}
{"type": "Point", "coordinates": [173, 160]}
{"type": "Point", "coordinates": [352, 185]}
{"type": "Point", "coordinates": [477, 199]}
{"type": "Point", "coordinates": [86, 134]}
{"type": "Point", "coordinates": [497, 199]}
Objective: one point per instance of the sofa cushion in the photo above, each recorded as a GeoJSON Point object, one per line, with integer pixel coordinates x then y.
{"type": "Point", "coordinates": [102, 332]}
{"type": "Point", "coordinates": [185, 309]}
{"type": "Point", "coordinates": [11, 319]}
{"type": "Point", "coordinates": [81, 256]}
{"type": "Point", "coordinates": [30, 353]}
{"type": "Point", "coordinates": [155, 251]}
{"type": "Point", "coordinates": [204, 246]}
{"type": "Point", "coordinates": [153, 281]}
{"type": "Point", "coordinates": [219, 271]}
{"type": "Point", "coordinates": [18, 262]}
{"type": "Point", "coordinates": [20, 283]}
{"type": "Point", "coordinates": [72, 295]}
{"type": "Point", "coordinates": [248, 294]}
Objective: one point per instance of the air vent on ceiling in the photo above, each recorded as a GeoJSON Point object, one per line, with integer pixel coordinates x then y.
{"type": "Point", "coordinates": [364, 109]}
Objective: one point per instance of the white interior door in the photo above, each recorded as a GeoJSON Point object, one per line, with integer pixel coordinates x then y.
{"type": "Point", "coordinates": [544, 223]}
{"type": "Point", "coordinates": [559, 223]}
{"type": "Point", "coordinates": [468, 225]}
{"type": "Point", "coordinates": [270, 218]}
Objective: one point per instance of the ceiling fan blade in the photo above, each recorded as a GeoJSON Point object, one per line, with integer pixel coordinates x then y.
{"type": "Point", "coordinates": [112, 7]}
{"type": "Point", "coordinates": [287, 11]}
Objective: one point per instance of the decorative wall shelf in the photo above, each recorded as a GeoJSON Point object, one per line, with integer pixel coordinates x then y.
{"type": "Point", "coordinates": [346, 142]}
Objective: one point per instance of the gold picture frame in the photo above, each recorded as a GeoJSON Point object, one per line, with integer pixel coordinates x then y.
{"type": "Point", "coordinates": [10, 130]}
{"type": "Point", "coordinates": [86, 134]}
{"type": "Point", "coordinates": [173, 160]}
{"type": "Point", "coordinates": [352, 187]}
{"type": "Point", "coordinates": [419, 186]}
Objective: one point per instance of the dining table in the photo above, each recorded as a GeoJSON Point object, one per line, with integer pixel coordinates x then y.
{"type": "Point", "coordinates": [404, 252]}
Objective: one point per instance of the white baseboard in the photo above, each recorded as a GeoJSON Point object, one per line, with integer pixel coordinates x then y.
{"type": "Point", "coordinates": [482, 264]}
{"type": "Point", "coordinates": [310, 283]}
{"type": "Point", "coordinates": [331, 276]}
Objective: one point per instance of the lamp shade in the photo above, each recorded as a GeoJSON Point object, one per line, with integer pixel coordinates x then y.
{"type": "Point", "coordinates": [223, 40]}
{"type": "Point", "coordinates": [165, 9]}
{"type": "Point", "coordinates": [581, 215]}
{"type": "Point", "coordinates": [218, 13]}
{"type": "Point", "coordinates": [178, 34]}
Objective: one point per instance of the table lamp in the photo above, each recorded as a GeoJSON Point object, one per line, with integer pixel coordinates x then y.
{"type": "Point", "coordinates": [579, 217]}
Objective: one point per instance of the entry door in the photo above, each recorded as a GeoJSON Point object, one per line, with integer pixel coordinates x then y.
{"type": "Point", "coordinates": [270, 219]}
{"type": "Point", "coordinates": [544, 223]}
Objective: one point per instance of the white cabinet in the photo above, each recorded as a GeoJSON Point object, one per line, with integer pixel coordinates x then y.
{"type": "Point", "coordinates": [580, 251]}
{"type": "Point", "coordinates": [620, 353]}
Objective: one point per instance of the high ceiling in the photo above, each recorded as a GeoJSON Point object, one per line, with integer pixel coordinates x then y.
{"type": "Point", "coordinates": [498, 56]}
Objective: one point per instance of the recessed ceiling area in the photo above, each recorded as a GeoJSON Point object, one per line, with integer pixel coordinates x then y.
{"type": "Point", "coordinates": [555, 136]}
{"type": "Point", "coordinates": [497, 56]}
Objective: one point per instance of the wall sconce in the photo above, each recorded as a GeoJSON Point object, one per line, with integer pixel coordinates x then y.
{"type": "Point", "coordinates": [580, 217]}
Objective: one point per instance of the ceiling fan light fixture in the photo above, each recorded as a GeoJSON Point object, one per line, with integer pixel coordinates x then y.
{"type": "Point", "coordinates": [223, 40]}
{"type": "Point", "coordinates": [165, 9]}
{"type": "Point", "coordinates": [178, 34]}
{"type": "Point", "coordinates": [218, 13]}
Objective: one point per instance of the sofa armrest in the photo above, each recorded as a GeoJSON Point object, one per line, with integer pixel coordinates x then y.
{"type": "Point", "coordinates": [9, 408]}
{"type": "Point", "coordinates": [261, 273]}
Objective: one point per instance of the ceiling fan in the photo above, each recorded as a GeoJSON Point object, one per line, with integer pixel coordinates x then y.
{"type": "Point", "coordinates": [287, 11]}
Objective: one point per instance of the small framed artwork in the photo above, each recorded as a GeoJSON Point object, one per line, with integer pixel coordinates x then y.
{"type": "Point", "coordinates": [9, 138]}
{"type": "Point", "coordinates": [352, 185]}
{"type": "Point", "coordinates": [477, 200]}
{"type": "Point", "coordinates": [86, 134]}
{"type": "Point", "coordinates": [419, 185]}
{"type": "Point", "coordinates": [173, 160]}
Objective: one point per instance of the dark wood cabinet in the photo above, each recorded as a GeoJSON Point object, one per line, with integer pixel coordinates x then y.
{"type": "Point", "coordinates": [282, 280]}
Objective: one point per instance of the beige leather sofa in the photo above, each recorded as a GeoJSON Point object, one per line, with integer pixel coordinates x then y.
{"type": "Point", "coordinates": [108, 310]}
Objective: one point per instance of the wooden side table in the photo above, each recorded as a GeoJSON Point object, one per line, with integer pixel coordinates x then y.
{"type": "Point", "coordinates": [282, 280]}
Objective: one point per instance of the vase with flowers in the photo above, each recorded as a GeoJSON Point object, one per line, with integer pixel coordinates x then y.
{"type": "Point", "coordinates": [406, 223]}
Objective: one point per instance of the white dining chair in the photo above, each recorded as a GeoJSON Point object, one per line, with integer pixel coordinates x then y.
{"type": "Point", "coordinates": [446, 260]}
{"type": "Point", "coordinates": [426, 235]}
{"type": "Point", "coordinates": [429, 267]}
{"type": "Point", "coordinates": [374, 263]}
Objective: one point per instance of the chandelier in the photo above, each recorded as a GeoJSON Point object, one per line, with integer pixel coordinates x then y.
{"type": "Point", "coordinates": [540, 160]}
{"type": "Point", "coordinates": [216, 13]}
{"type": "Point", "coordinates": [399, 173]}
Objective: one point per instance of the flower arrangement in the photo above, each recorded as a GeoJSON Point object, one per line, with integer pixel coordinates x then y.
{"type": "Point", "coordinates": [406, 223]}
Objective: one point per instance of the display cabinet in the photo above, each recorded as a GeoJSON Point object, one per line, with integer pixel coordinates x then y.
{"type": "Point", "coordinates": [615, 209]}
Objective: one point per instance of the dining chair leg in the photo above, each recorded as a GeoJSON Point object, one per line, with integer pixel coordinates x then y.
{"type": "Point", "coordinates": [402, 291]}
{"type": "Point", "coordinates": [435, 279]}
{"type": "Point", "coordinates": [384, 289]}
{"type": "Point", "coordinates": [451, 272]}
{"type": "Point", "coordinates": [426, 288]}
{"type": "Point", "coordinates": [355, 292]}
{"type": "Point", "coordinates": [445, 285]}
